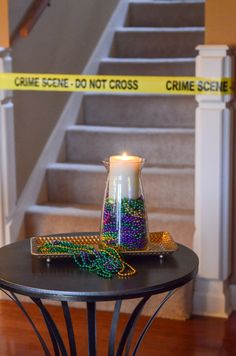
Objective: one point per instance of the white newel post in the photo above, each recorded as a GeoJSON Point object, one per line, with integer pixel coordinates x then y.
{"type": "Point", "coordinates": [7, 156]}
{"type": "Point", "coordinates": [213, 181]}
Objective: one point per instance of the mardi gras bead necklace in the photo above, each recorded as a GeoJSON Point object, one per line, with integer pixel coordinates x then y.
{"type": "Point", "coordinates": [104, 260]}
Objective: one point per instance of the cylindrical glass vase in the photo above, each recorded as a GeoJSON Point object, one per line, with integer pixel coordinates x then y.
{"type": "Point", "coordinates": [124, 218]}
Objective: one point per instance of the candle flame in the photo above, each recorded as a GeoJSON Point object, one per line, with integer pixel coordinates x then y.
{"type": "Point", "coordinates": [124, 156]}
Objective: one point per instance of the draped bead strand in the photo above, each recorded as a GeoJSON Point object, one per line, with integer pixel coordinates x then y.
{"type": "Point", "coordinates": [104, 260]}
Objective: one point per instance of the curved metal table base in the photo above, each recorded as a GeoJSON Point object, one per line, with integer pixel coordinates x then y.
{"type": "Point", "coordinates": [14, 298]}
{"type": "Point", "coordinates": [124, 345]}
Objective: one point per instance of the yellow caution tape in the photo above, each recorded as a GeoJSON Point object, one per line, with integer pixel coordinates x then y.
{"type": "Point", "coordinates": [114, 84]}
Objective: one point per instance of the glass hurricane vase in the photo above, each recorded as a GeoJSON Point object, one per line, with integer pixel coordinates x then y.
{"type": "Point", "coordinates": [124, 218]}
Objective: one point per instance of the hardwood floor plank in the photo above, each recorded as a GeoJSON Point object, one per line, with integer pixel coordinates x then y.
{"type": "Point", "coordinates": [199, 336]}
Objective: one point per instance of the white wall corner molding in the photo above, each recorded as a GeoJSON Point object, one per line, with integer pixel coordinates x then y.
{"type": "Point", "coordinates": [232, 291]}
{"type": "Point", "coordinates": [7, 155]}
{"type": "Point", "coordinates": [213, 183]}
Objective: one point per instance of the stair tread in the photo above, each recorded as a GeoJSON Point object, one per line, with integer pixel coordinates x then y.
{"type": "Point", "coordinates": [127, 130]}
{"type": "Point", "coordinates": [100, 168]}
{"type": "Point", "coordinates": [61, 208]}
{"type": "Point", "coordinates": [140, 96]}
{"type": "Point", "coordinates": [159, 29]}
{"type": "Point", "coordinates": [133, 95]}
{"type": "Point", "coordinates": [67, 209]}
{"type": "Point", "coordinates": [148, 60]}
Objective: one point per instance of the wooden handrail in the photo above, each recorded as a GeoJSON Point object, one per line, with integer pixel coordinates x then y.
{"type": "Point", "coordinates": [30, 18]}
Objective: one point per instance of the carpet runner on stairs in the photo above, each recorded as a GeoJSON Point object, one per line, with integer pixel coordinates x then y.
{"type": "Point", "coordinates": [158, 38]}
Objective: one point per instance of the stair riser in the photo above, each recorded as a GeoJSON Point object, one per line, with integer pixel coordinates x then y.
{"type": "Point", "coordinates": [134, 68]}
{"type": "Point", "coordinates": [158, 149]}
{"type": "Point", "coordinates": [84, 187]}
{"type": "Point", "coordinates": [139, 111]}
{"type": "Point", "coordinates": [169, 190]}
{"type": "Point", "coordinates": [181, 231]}
{"type": "Point", "coordinates": [44, 224]}
{"type": "Point", "coordinates": [166, 14]}
{"type": "Point", "coordinates": [156, 44]}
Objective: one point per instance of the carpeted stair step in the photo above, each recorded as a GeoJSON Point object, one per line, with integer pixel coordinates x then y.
{"type": "Point", "coordinates": [157, 42]}
{"type": "Point", "coordinates": [155, 66]}
{"type": "Point", "coordinates": [139, 110]}
{"type": "Point", "coordinates": [166, 13]}
{"type": "Point", "coordinates": [59, 218]}
{"type": "Point", "coordinates": [166, 147]}
{"type": "Point", "coordinates": [166, 188]}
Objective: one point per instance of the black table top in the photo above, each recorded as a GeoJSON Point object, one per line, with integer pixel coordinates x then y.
{"type": "Point", "coordinates": [22, 273]}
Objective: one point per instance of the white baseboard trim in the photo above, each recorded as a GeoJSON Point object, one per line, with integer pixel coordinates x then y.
{"type": "Point", "coordinates": [211, 298]}
{"type": "Point", "coordinates": [68, 117]}
{"type": "Point", "coordinates": [232, 291]}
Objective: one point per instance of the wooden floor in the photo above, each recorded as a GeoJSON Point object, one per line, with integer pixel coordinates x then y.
{"type": "Point", "coordinates": [199, 336]}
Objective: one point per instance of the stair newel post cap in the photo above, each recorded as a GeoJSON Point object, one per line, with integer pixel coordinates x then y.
{"type": "Point", "coordinates": [214, 62]}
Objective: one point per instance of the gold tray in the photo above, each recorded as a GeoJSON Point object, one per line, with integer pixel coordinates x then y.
{"type": "Point", "coordinates": [160, 243]}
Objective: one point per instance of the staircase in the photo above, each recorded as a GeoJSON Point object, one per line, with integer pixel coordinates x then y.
{"type": "Point", "coordinates": [158, 38]}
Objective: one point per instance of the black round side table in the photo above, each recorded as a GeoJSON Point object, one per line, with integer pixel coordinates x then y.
{"type": "Point", "coordinates": [61, 280]}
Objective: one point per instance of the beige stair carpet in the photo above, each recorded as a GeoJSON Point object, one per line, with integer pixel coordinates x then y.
{"type": "Point", "coordinates": [158, 38]}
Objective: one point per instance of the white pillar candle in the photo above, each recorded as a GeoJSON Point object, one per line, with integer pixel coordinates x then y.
{"type": "Point", "coordinates": [124, 176]}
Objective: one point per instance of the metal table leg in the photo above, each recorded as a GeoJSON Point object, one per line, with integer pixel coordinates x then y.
{"type": "Point", "coordinates": [147, 326]}
{"type": "Point", "coordinates": [124, 342]}
{"type": "Point", "coordinates": [69, 326]}
{"type": "Point", "coordinates": [91, 314]}
{"type": "Point", "coordinates": [56, 338]}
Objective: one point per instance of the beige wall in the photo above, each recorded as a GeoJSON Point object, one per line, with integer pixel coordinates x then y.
{"type": "Point", "coordinates": [61, 42]}
{"type": "Point", "coordinates": [220, 21]}
{"type": "Point", "coordinates": [4, 24]}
